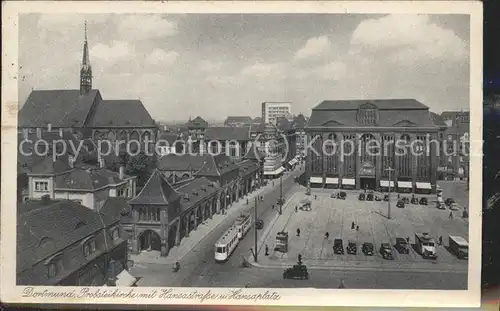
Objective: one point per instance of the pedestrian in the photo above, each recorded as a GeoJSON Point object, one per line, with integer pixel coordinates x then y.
{"type": "Point", "coordinates": [296, 208]}
{"type": "Point", "coordinates": [272, 206]}
{"type": "Point", "coordinates": [298, 232]}
{"type": "Point", "coordinates": [247, 200]}
{"type": "Point", "coordinates": [341, 285]}
{"type": "Point", "coordinates": [353, 225]}
{"type": "Point", "coordinates": [299, 259]}
{"type": "Point", "coordinates": [357, 228]}
{"type": "Point", "coordinates": [327, 235]}
{"type": "Point", "coordinates": [451, 215]}
{"type": "Point", "coordinates": [408, 239]}
{"type": "Point", "coordinates": [267, 250]}
{"type": "Point", "coordinates": [398, 196]}
{"type": "Point", "coordinates": [440, 240]}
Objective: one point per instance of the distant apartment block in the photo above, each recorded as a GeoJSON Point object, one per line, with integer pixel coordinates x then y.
{"type": "Point", "coordinates": [272, 111]}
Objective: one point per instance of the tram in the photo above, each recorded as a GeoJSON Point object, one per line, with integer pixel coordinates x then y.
{"type": "Point", "coordinates": [226, 244]}
{"type": "Point", "coordinates": [243, 223]}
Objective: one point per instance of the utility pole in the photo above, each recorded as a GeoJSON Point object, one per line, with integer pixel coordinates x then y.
{"type": "Point", "coordinates": [255, 232]}
{"type": "Point", "coordinates": [389, 200]}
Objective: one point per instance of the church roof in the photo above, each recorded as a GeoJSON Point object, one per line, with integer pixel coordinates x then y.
{"type": "Point", "coordinates": [200, 165]}
{"type": "Point", "coordinates": [196, 191]}
{"type": "Point", "coordinates": [60, 108]}
{"type": "Point", "coordinates": [121, 113]}
{"type": "Point", "coordinates": [156, 191]}
{"type": "Point", "coordinates": [390, 113]}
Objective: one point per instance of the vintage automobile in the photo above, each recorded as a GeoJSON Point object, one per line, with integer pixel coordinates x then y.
{"type": "Point", "coordinates": [361, 197]}
{"type": "Point", "coordinates": [367, 248]}
{"type": "Point", "coordinates": [386, 251]}
{"type": "Point", "coordinates": [369, 197]}
{"type": "Point", "coordinates": [338, 247]}
{"type": "Point", "coordinates": [406, 200]}
{"type": "Point", "coordinates": [333, 195]}
{"type": "Point", "coordinates": [386, 197]}
{"type": "Point", "coordinates": [402, 246]}
{"type": "Point", "coordinates": [351, 248]}
{"type": "Point", "coordinates": [259, 224]}
{"type": "Point", "coordinates": [377, 198]}
{"type": "Point", "coordinates": [454, 206]}
{"type": "Point", "coordinates": [297, 272]}
{"type": "Point", "coordinates": [414, 200]}
{"type": "Point", "coordinates": [423, 201]}
{"type": "Point", "coordinates": [400, 204]}
{"type": "Point", "coordinates": [341, 195]}
{"type": "Point", "coordinates": [449, 201]}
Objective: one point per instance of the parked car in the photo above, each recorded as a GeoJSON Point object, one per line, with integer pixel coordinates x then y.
{"type": "Point", "coordinates": [423, 201]}
{"type": "Point", "coordinates": [369, 197]}
{"type": "Point", "coordinates": [338, 247]}
{"type": "Point", "coordinates": [259, 224]}
{"type": "Point", "coordinates": [352, 248]}
{"type": "Point", "coordinates": [333, 195]}
{"type": "Point", "coordinates": [402, 246]}
{"type": "Point", "coordinates": [406, 200]}
{"type": "Point", "coordinates": [386, 197]}
{"type": "Point", "coordinates": [440, 205]}
{"type": "Point", "coordinates": [454, 206]}
{"type": "Point", "coordinates": [361, 197]}
{"type": "Point", "coordinates": [367, 248]}
{"type": "Point", "coordinates": [449, 201]}
{"type": "Point", "coordinates": [341, 195]}
{"type": "Point", "coordinates": [377, 198]}
{"type": "Point", "coordinates": [414, 200]}
{"type": "Point", "coordinates": [386, 251]}
{"type": "Point", "coordinates": [296, 272]}
{"type": "Point", "coordinates": [400, 204]}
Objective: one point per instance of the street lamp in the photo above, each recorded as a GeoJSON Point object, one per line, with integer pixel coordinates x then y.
{"type": "Point", "coordinates": [390, 170]}
{"type": "Point", "coordinates": [281, 194]}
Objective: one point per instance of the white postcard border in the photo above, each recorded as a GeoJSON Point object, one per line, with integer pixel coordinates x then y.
{"type": "Point", "coordinates": [299, 297]}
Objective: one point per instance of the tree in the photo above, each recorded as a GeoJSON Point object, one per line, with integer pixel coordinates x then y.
{"type": "Point", "coordinates": [140, 165]}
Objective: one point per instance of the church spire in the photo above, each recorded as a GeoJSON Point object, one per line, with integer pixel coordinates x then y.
{"type": "Point", "coordinates": [86, 69]}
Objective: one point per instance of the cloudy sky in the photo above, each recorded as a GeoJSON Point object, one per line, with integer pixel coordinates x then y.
{"type": "Point", "coordinates": [217, 65]}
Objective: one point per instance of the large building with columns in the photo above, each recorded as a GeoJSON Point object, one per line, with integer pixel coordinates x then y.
{"type": "Point", "coordinates": [360, 144]}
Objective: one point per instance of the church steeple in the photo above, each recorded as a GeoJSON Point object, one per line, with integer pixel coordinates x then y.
{"type": "Point", "coordinates": [86, 70]}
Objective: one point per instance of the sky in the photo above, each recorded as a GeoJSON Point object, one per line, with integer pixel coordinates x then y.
{"type": "Point", "coordinates": [215, 65]}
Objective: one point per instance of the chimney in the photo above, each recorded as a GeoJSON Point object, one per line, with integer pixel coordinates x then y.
{"type": "Point", "coordinates": [61, 132]}
{"type": "Point", "coordinates": [49, 127]}
{"type": "Point", "coordinates": [38, 132]}
{"type": "Point", "coordinates": [122, 172]}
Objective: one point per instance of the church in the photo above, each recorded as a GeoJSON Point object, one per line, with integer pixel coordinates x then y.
{"type": "Point", "coordinates": [85, 113]}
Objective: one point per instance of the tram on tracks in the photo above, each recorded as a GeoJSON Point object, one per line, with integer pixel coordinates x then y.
{"type": "Point", "coordinates": [226, 244]}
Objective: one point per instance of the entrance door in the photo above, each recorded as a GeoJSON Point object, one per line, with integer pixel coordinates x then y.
{"type": "Point", "coordinates": [367, 183]}
{"type": "Point", "coordinates": [150, 240]}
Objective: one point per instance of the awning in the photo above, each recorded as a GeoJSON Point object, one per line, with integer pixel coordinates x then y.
{"type": "Point", "coordinates": [405, 184]}
{"type": "Point", "coordinates": [424, 185]}
{"type": "Point", "coordinates": [125, 279]}
{"type": "Point", "coordinates": [332, 181]}
{"type": "Point", "coordinates": [275, 172]}
{"type": "Point", "coordinates": [385, 183]}
{"type": "Point", "coordinates": [348, 182]}
{"type": "Point", "coordinates": [316, 180]}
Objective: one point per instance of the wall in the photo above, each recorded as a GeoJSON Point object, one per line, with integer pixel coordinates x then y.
{"type": "Point", "coordinates": [85, 198]}
{"type": "Point", "coordinates": [38, 194]}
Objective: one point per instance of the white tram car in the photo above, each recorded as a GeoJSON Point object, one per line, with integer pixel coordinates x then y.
{"type": "Point", "coordinates": [226, 244]}
{"type": "Point", "coordinates": [230, 239]}
{"type": "Point", "coordinates": [243, 223]}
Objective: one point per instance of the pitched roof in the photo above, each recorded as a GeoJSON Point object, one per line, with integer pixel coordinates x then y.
{"type": "Point", "coordinates": [200, 165]}
{"type": "Point", "coordinates": [258, 128]}
{"type": "Point", "coordinates": [156, 191]}
{"type": "Point", "coordinates": [197, 122]}
{"type": "Point", "coordinates": [299, 121]}
{"type": "Point", "coordinates": [283, 124]}
{"type": "Point", "coordinates": [390, 113]}
{"type": "Point", "coordinates": [227, 133]}
{"type": "Point", "coordinates": [88, 178]}
{"type": "Point", "coordinates": [238, 119]}
{"type": "Point", "coordinates": [118, 208]}
{"type": "Point", "coordinates": [169, 137]}
{"type": "Point", "coordinates": [195, 191]}
{"type": "Point", "coordinates": [382, 104]}
{"type": "Point", "coordinates": [246, 166]}
{"type": "Point", "coordinates": [254, 154]}
{"type": "Point", "coordinates": [47, 166]}
{"type": "Point", "coordinates": [438, 120]}
{"type": "Point", "coordinates": [121, 113]}
{"type": "Point", "coordinates": [46, 227]}
{"type": "Point", "coordinates": [257, 120]}
{"type": "Point", "coordinates": [60, 108]}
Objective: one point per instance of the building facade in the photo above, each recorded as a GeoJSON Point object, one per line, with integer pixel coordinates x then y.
{"type": "Point", "coordinates": [231, 141]}
{"type": "Point", "coordinates": [366, 144]}
{"type": "Point", "coordinates": [457, 144]}
{"type": "Point", "coordinates": [271, 111]}
{"type": "Point", "coordinates": [61, 242]}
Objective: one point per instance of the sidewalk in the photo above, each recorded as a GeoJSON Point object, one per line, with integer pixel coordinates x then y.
{"type": "Point", "coordinates": [177, 253]}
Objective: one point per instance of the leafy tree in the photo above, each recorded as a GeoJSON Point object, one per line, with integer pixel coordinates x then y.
{"type": "Point", "coordinates": [140, 165]}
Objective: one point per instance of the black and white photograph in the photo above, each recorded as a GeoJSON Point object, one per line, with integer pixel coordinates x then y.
{"type": "Point", "coordinates": [246, 147]}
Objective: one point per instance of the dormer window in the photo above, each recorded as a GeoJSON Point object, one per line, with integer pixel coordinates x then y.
{"type": "Point", "coordinates": [89, 247]}
{"type": "Point", "coordinates": [54, 265]}
{"type": "Point", "coordinates": [367, 115]}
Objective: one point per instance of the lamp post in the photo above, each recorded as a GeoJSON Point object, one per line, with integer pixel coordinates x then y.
{"type": "Point", "coordinates": [390, 170]}
{"type": "Point", "coordinates": [281, 194]}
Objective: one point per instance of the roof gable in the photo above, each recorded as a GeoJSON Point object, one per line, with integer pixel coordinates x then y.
{"type": "Point", "coordinates": [405, 123]}
{"type": "Point", "coordinates": [156, 191]}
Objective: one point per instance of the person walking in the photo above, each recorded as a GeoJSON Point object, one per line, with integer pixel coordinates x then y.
{"type": "Point", "coordinates": [451, 215]}
{"type": "Point", "coordinates": [267, 250]}
{"type": "Point", "coordinates": [408, 239]}
{"type": "Point", "coordinates": [353, 225]}
{"type": "Point", "coordinates": [357, 228]}
{"type": "Point", "coordinates": [296, 208]}
{"type": "Point", "coordinates": [327, 235]}
{"type": "Point", "coordinates": [440, 240]}
{"type": "Point", "coordinates": [298, 232]}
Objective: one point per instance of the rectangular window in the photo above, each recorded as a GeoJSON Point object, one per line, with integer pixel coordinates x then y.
{"type": "Point", "coordinates": [52, 271]}
{"type": "Point", "coordinates": [41, 186]}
